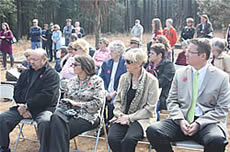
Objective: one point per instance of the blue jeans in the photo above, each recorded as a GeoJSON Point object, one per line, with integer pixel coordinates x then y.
{"type": "Point", "coordinates": [158, 111]}
{"type": "Point", "coordinates": [34, 44]}
{"type": "Point", "coordinates": [57, 65]}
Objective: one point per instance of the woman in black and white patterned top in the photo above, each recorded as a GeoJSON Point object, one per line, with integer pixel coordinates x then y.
{"type": "Point", "coordinates": [85, 96]}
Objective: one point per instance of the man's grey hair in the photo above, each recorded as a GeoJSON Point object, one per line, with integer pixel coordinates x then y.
{"type": "Point", "coordinates": [39, 51]}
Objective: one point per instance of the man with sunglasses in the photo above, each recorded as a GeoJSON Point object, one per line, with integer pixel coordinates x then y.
{"type": "Point", "coordinates": [197, 104]}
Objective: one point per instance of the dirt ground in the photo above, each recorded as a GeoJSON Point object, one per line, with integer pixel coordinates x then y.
{"type": "Point", "coordinates": [84, 144]}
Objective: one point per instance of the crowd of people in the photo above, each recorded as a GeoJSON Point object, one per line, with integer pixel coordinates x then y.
{"type": "Point", "coordinates": [135, 84]}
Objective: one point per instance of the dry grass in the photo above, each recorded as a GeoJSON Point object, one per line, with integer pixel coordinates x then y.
{"type": "Point", "coordinates": [84, 144]}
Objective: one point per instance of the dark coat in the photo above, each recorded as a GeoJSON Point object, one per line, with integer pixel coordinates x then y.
{"type": "Point", "coordinates": [106, 71]}
{"type": "Point", "coordinates": [40, 95]}
{"type": "Point", "coordinates": [204, 33]}
{"type": "Point", "coordinates": [164, 72]}
{"type": "Point", "coordinates": [187, 32]}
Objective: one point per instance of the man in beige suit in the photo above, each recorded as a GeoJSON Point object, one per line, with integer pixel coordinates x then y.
{"type": "Point", "coordinates": [197, 104]}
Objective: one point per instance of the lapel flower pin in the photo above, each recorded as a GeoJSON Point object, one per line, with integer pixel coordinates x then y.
{"type": "Point", "coordinates": [158, 70]}
{"type": "Point", "coordinates": [89, 84]}
{"type": "Point", "coordinates": [185, 79]}
{"type": "Point", "coordinates": [108, 71]}
{"type": "Point", "coordinates": [41, 76]}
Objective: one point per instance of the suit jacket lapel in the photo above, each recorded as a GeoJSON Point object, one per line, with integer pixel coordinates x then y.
{"type": "Point", "coordinates": [206, 80]}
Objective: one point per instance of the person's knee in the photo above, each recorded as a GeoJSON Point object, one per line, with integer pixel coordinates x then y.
{"type": "Point", "coordinates": [216, 142]}
{"type": "Point", "coordinates": [128, 140]}
{"type": "Point", "coordinates": [152, 132]}
{"type": "Point", "coordinates": [111, 137]}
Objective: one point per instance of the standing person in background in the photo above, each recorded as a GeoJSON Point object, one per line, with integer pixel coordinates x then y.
{"type": "Point", "coordinates": [78, 30]}
{"type": "Point", "coordinates": [56, 38]}
{"type": "Point", "coordinates": [43, 36]}
{"type": "Point", "coordinates": [204, 29]}
{"type": "Point", "coordinates": [6, 36]}
{"type": "Point", "coordinates": [189, 30]}
{"type": "Point", "coordinates": [170, 33]}
{"type": "Point", "coordinates": [220, 58]}
{"type": "Point", "coordinates": [49, 34]}
{"type": "Point", "coordinates": [156, 30]}
{"type": "Point", "coordinates": [67, 31]}
{"type": "Point", "coordinates": [35, 33]}
{"type": "Point", "coordinates": [137, 30]}
{"type": "Point", "coordinates": [228, 36]}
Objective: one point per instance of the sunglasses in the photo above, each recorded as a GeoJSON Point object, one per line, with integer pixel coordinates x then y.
{"type": "Point", "coordinates": [129, 61]}
{"type": "Point", "coordinates": [76, 64]}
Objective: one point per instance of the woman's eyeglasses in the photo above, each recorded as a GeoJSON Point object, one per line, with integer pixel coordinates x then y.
{"type": "Point", "coordinates": [129, 61]}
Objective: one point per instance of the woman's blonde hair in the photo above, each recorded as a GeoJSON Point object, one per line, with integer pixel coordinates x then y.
{"type": "Point", "coordinates": [83, 44]}
{"type": "Point", "coordinates": [137, 55]}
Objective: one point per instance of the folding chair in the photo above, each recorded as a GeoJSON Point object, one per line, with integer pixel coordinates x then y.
{"type": "Point", "coordinates": [29, 122]}
{"type": "Point", "coordinates": [97, 130]}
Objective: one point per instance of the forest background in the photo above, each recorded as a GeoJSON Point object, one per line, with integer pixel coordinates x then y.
{"type": "Point", "coordinates": [110, 16]}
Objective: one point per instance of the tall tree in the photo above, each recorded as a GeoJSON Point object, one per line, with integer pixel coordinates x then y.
{"type": "Point", "coordinates": [100, 10]}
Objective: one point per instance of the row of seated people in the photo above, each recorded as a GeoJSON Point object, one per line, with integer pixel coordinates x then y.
{"type": "Point", "coordinates": [198, 109]}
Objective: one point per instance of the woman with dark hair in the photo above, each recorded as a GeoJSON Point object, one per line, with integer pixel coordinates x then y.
{"type": "Point", "coordinates": [163, 40]}
{"type": "Point", "coordinates": [156, 30]}
{"type": "Point", "coordinates": [204, 29]}
{"type": "Point", "coordinates": [79, 110]}
{"type": "Point", "coordinates": [6, 36]}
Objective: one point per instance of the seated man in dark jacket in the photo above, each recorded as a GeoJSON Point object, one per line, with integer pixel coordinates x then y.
{"type": "Point", "coordinates": [36, 95]}
{"type": "Point", "coordinates": [163, 69]}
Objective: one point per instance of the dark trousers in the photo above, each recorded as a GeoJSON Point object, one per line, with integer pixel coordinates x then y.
{"type": "Point", "coordinates": [5, 59]}
{"type": "Point", "coordinates": [124, 138]}
{"type": "Point", "coordinates": [62, 129]}
{"type": "Point", "coordinates": [161, 133]}
{"type": "Point", "coordinates": [10, 119]}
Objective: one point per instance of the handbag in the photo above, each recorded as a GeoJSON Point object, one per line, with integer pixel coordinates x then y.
{"type": "Point", "coordinates": [67, 109]}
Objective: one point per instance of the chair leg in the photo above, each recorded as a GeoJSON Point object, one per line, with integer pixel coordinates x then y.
{"type": "Point", "coordinates": [97, 139]}
{"type": "Point", "coordinates": [75, 143]}
{"type": "Point", "coordinates": [19, 134]}
{"type": "Point", "coordinates": [106, 135]}
{"type": "Point", "coordinates": [150, 147]}
{"type": "Point", "coordinates": [108, 149]}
